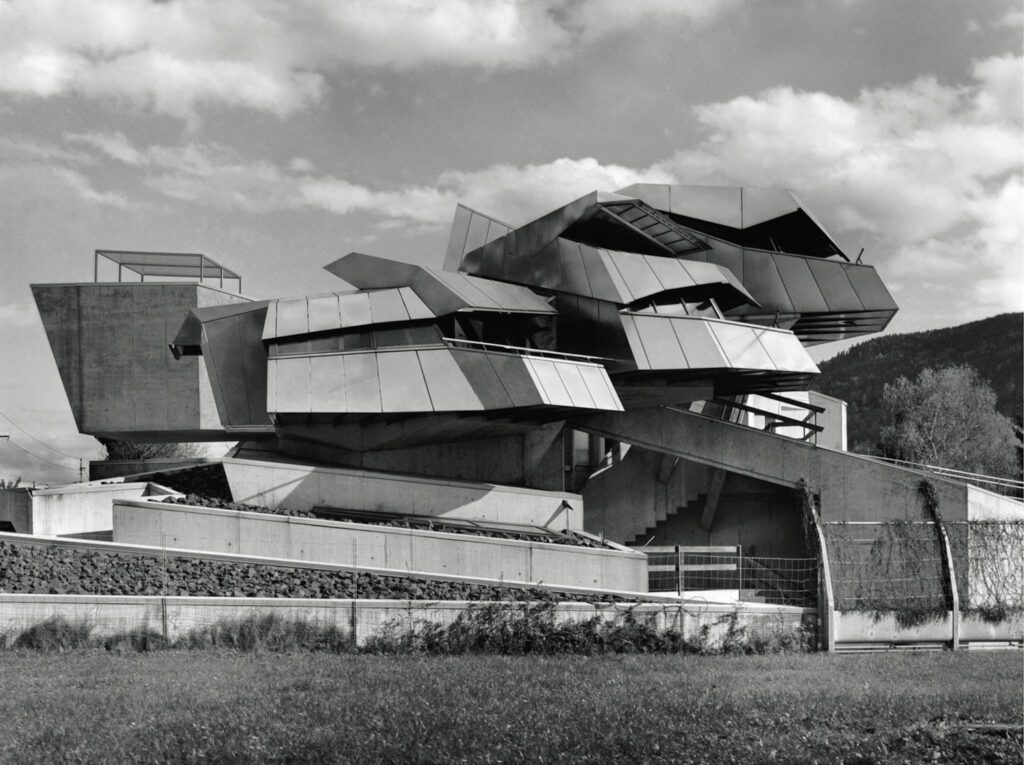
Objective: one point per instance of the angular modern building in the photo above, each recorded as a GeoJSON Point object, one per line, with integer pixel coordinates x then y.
{"type": "Point", "coordinates": [559, 358]}
{"type": "Point", "coordinates": [629, 370]}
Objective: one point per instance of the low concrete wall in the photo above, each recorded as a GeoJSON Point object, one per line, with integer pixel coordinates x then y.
{"type": "Point", "coordinates": [74, 509]}
{"type": "Point", "coordinates": [301, 487]}
{"type": "Point", "coordinates": [985, 505]}
{"type": "Point", "coordinates": [868, 627]}
{"type": "Point", "coordinates": [175, 617]}
{"type": "Point", "coordinates": [307, 539]}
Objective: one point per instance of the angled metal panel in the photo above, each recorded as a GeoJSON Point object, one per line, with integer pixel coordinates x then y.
{"type": "Point", "coordinates": [702, 350]}
{"type": "Point", "coordinates": [672, 273]}
{"type": "Point", "coordinates": [327, 384]}
{"type": "Point", "coordinates": [548, 381]}
{"type": "Point", "coordinates": [355, 309]}
{"type": "Point", "coordinates": [603, 284]}
{"type": "Point", "coordinates": [835, 286]}
{"type": "Point", "coordinates": [416, 308]}
{"type": "Point", "coordinates": [323, 311]}
{"type": "Point", "coordinates": [619, 286]}
{"type": "Point", "coordinates": [271, 385]}
{"type": "Point", "coordinates": [761, 205]}
{"type": "Point", "coordinates": [870, 288]}
{"type": "Point", "coordinates": [477, 233]}
{"type": "Point", "coordinates": [403, 388]}
{"type": "Point", "coordinates": [387, 306]}
{"type": "Point", "coordinates": [573, 275]}
{"type": "Point", "coordinates": [292, 317]}
{"type": "Point", "coordinates": [800, 285]}
{"type": "Point", "coordinates": [728, 256]}
{"type": "Point", "coordinates": [370, 272]}
{"type": "Point", "coordinates": [762, 278]}
{"type": "Point", "coordinates": [635, 343]}
{"type": "Point", "coordinates": [448, 387]}
{"type": "Point", "coordinates": [362, 383]}
{"type": "Point", "coordinates": [715, 204]}
{"type": "Point", "coordinates": [477, 369]}
{"type": "Point", "coordinates": [639, 277]}
{"type": "Point", "coordinates": [270, 322]}
{"type": "Point", "coordinates": [574, 383]}
{"type": "Point", "coordinates": [660, 342]}
{"type": "Point", "coordinates": [457, 238]}
{"type": "Point", "coordinates": [292, 381]}
{"type": "Point", "coordinates": [600, 387]}
{"type": "Point", "coordinates": [741, 345]}
{"type": "Point", "coordinates": [786, 351]}
{"type": "Point", "coordinates": [516, 378]}
{"type": "Point", "coordinates": [654, 194]}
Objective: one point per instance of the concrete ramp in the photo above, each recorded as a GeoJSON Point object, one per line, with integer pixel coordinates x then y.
{"type": "Point", "coordinates": [852, 487]}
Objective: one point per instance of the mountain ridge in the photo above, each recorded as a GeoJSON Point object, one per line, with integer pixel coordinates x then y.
{"type": "Point", "coordinates": [993, 346]}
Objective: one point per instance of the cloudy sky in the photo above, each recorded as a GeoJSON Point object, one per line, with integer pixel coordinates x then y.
{"type": "Point", "coordinates": [278, 136]}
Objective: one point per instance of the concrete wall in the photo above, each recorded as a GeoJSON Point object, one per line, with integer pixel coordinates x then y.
{"type": "Point", "coordinates": [852, 487]}
{"type": "Point", "coordinates": [276, 536]}
{"type": "Point", "coordinates": [985, 505]}
{"type": "Point", "coordinates": [301, 487]}
{"type": "Point", "coordinates": [16, 509]}
{"type": "Point", "coordinates": [110, 342]}
{"type": "Point", "coordinates": [630, 498]}
{"type": "Point", "coordinates": [175, 617]}
{"type": "Point", "coordinates": [532, 459]}
{"type": "Point", "coordinates": [764, 519]}
{"type": "Point", "coordinates": [74, 509]}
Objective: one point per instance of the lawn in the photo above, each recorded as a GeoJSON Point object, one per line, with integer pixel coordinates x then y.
{"type": "Point", "coordinates": [218, 706]}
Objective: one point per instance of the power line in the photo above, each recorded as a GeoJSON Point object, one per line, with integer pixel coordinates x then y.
{"type": "Point", "coordinates": [51, 448]}
{"type": "Point", "coordinates": [33, 454]}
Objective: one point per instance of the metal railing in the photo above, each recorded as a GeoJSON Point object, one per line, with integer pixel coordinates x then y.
{"type": "Point", "coordinates": [687, 569]}
{"type": "Point", "coordinates": [522, 351]}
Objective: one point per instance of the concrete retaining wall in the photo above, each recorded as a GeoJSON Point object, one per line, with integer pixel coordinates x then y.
{"type": "Point", "coordinates": [301, 487]}
{"type": "Point", "coordinates": [74, 509]}
{"type": "Point", "coordinates": [175, 617]}
{"type": "Point", "coordinates": [861, 627]}
{"type": "Point", "coordinates": [306, 539]}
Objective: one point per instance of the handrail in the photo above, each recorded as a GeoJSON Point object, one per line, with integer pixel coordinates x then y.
{"type": "Point", "coordinates": [953, 473]}
{"type": "Point", "coordinates": [450, 341]}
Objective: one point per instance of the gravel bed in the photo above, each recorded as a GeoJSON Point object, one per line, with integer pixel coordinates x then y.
{"type": "Point", "coordinates": [40, 569]}
{"type": "Point", "coordinates": [564, 538]}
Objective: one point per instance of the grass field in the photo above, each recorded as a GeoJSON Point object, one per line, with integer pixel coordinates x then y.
{"type": "Point", "coordinates": [219, 706]}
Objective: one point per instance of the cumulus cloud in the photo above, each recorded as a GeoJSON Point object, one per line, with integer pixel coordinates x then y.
{"type": "Point", "coordinates": [217, 176]}
{"type": "Point", "coordinates": [276, 57]}
{"type": "Point", "coordinates": [926, 175]}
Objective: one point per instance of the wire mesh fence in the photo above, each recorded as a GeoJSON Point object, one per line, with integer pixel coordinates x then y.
{"type": "Point", "coordinates": [892, 566]}
{"type": "Point", "coordinates": [988, 558]}
{"type": "Point", "coordinates": [687, 569]}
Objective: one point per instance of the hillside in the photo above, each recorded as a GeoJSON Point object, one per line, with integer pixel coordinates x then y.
{"type": "Point", "coordinates": [993, 346]}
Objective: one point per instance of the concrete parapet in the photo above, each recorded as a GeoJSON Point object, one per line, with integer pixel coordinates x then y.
{"type": "Point", "coordinates": [75, 509]}
{"type": "Point", "coordinates": [397, 549]}
{"type": "Point", "coordinates": [302, 487]}
{"type": "Point", "coordinates": [176, 617]}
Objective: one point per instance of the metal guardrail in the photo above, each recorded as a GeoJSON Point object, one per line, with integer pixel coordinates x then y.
{"type": "Point", "coordinates": [961, 475]}
{"type": "Point", "coordinates": [521, 351]}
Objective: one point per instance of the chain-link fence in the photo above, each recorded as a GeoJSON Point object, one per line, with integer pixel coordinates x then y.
{"type": "Point", "coordinates": [688, 569]}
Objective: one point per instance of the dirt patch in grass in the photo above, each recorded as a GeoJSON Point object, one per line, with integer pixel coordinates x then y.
{"type": "Point", "coordinates": [224, 707]}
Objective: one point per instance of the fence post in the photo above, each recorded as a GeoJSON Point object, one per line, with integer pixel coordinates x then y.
{"type": "Point", "coordinates": [954, 594]}
{"type": "Point", "coordinates": [739, 566]}
{"type": "Point", "coordinates": [679, 571]}
{"type": "Point", "coordinates": [826, 598]}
